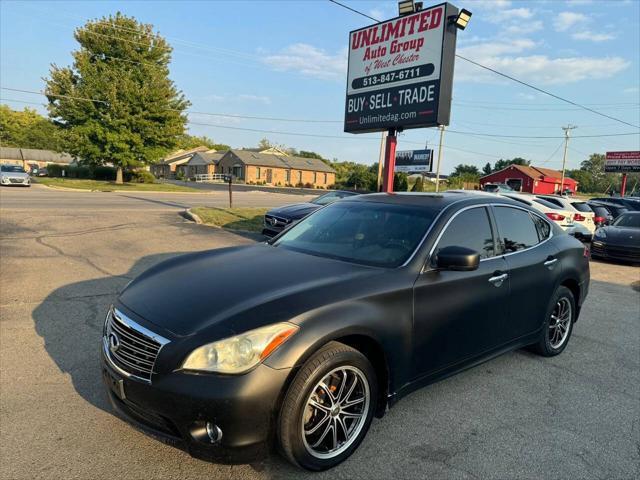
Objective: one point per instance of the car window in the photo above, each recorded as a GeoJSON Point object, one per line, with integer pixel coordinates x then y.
{"type": "Point", "coordinates": [12, 168]}
{"type": "Point", "coordinates": [469, 229]}
{"type": "Point", "coordinates": [516, 227]}
{"type": "Point", "coordinates": [368, 233]}
{"type": "Point", "coordinates": [542, 226]}
{"type": "Point", "coordinates": [599, 210]}
{"type": "Point", "coordinates": [555, 201]}
{"type": "Point", "coordinates": [546, 203]}
{"type": "Point", "coordinates": [327, 198]}
{"type": "Point", "coordinates": [582, 206]}
{"type": "Point", "coordinates": [628, 220]}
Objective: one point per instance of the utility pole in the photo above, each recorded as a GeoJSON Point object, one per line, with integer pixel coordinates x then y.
{"type": "Point", "coordinates": [566, 129]}
{"type": "Point", "coordinates": [442, 127]}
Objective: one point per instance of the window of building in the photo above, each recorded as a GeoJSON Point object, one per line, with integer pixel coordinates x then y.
{"type": "Point", "coordinates": [469, 229]}
{"type": "Point", "coordinates": [315, 177]}
{"type": "Point", "coordinates": [325, 179]}
{"type": "Point", "coordinates": [516, 228]}
{"type": "Point", "coordinates": [300, 176]}
{"type": "Point", "coordinates": [258, 173]}
{"type": "Point", "coordinates": [288, 176]}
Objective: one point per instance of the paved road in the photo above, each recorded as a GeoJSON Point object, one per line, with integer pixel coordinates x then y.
{"type": "Point", "coordinates": [64, 256]}
{"type": "Point", "coordinates": [39, 197]}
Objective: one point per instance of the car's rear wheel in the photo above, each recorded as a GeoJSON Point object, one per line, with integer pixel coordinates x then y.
{"type": "Point", "coordinates": [558, 325]}
{"type": "Point", "coordinates": [328, 408]}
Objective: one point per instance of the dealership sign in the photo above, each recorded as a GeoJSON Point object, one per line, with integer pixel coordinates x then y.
{"type": "Point", "coordinates": [622, 162]}
{"type": "Point", "coordinates": [410, 161]}
{"type": "Point", "coordinates": [401, 71]}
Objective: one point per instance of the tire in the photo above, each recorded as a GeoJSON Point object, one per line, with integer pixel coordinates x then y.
{"type": "Point", "coordinates": [340, 367]}
{"type": "Point", "coordinates": [553, 340]}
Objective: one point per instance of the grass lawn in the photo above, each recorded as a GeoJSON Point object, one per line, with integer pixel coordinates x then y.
{"type": "Point", "coordinates": [249, 219]}
{"type": "Point", "coordinates": [104, 186]}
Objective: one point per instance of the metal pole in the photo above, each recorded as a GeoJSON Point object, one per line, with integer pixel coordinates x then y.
{"type": "Point", "coordinates": [230, 194]}
{"type": "Point", "coordinates": [623, 188]}
{"type": "Point", "coordinates": [564, 156]}
{"type": "Point", "coordinates": [442, 127]}
{"type": "Point", "coordinates": [389, 161]}
{"type": "Point", "coordinates": [381, 159]}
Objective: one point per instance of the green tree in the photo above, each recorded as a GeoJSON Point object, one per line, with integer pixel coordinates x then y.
{"type": "Point", "coordinates": [502, 164]}
{"type": "Point", "coordinates": [464, 170]}
{"type": "Point", "coordinates": [133, 113]}
{"type": "Point", "coordinates": [400, 182]}
{"type": "Point", "coordinates": [486, 170]}
{"type": "Point", "coordinates": [418, 186]}
{"type": "Point", "coordinates": [186, 141]}
{"type": "Point", "coordinates": [28, 129]}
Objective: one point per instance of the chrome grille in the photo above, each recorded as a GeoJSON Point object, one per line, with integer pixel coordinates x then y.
{"type": "Point", "coordinates": [131, 348]}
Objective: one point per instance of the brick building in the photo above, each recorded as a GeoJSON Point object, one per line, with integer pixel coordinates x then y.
{"type": "Point", "coordinates": [166, 168]}
{"type": "Point", "coordinates": [29, 158]}
{"type": "Point", "coordinates": [276, 168]}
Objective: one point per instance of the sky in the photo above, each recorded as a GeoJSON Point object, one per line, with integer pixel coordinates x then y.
{"type": "Point", "coordinates": [287, 59]}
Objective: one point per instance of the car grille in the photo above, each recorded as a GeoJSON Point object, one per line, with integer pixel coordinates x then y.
{"type": "Point", "coordinates": [17, 180]}
{"type": "Point", "coordinates": [128, 348]}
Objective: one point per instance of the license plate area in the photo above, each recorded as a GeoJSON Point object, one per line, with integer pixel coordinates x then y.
{"type": "Point", "coordinates": [115, 384]}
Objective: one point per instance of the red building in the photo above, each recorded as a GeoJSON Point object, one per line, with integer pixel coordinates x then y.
{"type": "Point", "coordinates": [531, 179]}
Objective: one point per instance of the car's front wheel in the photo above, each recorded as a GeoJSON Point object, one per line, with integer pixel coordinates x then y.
{"type": "Point", "coordinates": [328, 407]}
{"type": "Point", "coordinates": [558, 325]}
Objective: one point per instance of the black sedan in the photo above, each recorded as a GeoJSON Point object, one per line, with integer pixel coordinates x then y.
{"type": "Point", "coordinates": [620, 240]}
{"type": "Point", "coordinates": [302, 340]}
{"type": "Point", "coordinates": [278, 219]}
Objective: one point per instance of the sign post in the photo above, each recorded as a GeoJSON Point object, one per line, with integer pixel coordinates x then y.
{"type": "Point", "coordinates": [622, 162]}
{"type": "Point", "coordinates": [400, 76]}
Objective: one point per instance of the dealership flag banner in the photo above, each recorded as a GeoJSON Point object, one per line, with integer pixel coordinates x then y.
{"type": "Point", "coordinates": [401, 72]}
{"type": "Point", "coordinates": [622, 162]}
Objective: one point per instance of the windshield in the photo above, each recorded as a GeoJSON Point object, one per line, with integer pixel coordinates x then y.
{"type": "Point", "coordinates": [328, 198]}
{"type": "Point", "coordinates": [11, 168]}
{"type": "Point", "coordinates": [367, 233]}
{"type": "Point", "coordinates": [628, 220]}
{"type": "Point", "coordinates": [581, 206]}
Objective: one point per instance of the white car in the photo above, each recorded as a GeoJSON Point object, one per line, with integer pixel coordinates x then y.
{"type": "Point", "coordinates": [583, 215]}
{"type": "Point", "coordinates": [14, 175]}
{"type": "Point", "coordinates": [561, 216]}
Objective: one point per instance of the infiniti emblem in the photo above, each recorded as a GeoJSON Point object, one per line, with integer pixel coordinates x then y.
{"type": "Point", "coordinates": [273, 221]}
{"type": "Point", "coordinates": [114, 342]}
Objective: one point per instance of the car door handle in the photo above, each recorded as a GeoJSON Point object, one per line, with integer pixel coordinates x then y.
{"type": "Point", "coordinates": [550, 263]}
{"type": "Point", "coordinates": [497, 280]}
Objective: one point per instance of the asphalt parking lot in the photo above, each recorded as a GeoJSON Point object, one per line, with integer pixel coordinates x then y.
{"type": "Point", "coordinates": [65, 255]}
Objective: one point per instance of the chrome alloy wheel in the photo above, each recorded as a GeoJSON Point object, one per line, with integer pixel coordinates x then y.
{"type": "Point", "coordinates": [560, 323]}
{"type": "Point", "coordinates": [335, 412]}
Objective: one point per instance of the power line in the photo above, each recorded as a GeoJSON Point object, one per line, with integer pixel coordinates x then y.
{"type": "Point", "coordinates": [473, 62]}
{"type": "Point", "coordinates": [488, 135]}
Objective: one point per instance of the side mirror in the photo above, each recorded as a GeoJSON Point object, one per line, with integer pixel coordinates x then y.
{"type": "Point", "coordinates": [459, 259]}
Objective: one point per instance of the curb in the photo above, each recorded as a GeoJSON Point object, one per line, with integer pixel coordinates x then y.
{"type": "Point", "coordinates": [67, 189]}
{"type": "Point", "coordinates": [189, 215]}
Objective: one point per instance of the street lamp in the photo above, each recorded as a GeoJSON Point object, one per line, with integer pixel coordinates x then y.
{"type": "Point", "coordinates": [462, 19]}
{"type": "Point", "coordinates": [406, 7]}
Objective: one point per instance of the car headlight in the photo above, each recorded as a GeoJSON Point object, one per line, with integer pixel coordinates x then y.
{"type": "Point", "coordinates": [240, 353]}
{"type": "Point", "coordinates": [600, 233]}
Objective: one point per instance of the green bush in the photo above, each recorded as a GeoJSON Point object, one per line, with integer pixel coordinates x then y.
{"type": "Point", "coordinates": [179, 175]}
{"type": "Point", "coordinates": [142, 176]}
{"type": "Point", "coordinates": [418, 186]}
{"type": "Point", "coordinates": [102, 172]}
{"type": "Point", "coordinates": [308, 185]}
{"type": "Point", "coordinates": [54, 170]}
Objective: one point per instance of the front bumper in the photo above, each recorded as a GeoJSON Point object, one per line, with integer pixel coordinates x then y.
{"type": "Point", "coordinates": [15, 181]}
{"type": "Point", "coordinates": [175, 405]}
{"type": "Point", "coordinates": [602, 249]}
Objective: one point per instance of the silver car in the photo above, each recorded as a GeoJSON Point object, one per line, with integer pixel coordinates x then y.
{"type": "Point", "coordinates": [14, 175]}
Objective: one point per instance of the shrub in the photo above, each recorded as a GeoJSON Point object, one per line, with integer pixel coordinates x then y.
{"type": "Point", "coordinates": [418, 186]}
{"type": "Point", "coordinates": [102, 172]}
{"type": "Point", "coordinates": [142, 176]}
{"type": "Point", "coordinates": [54, 170]}
{"type": "Point", "coordinates": [179, 175]}
{"type": "Point", "coordinates": [300, 185]}
{"type": "Point", "coordinates": [308, 185]}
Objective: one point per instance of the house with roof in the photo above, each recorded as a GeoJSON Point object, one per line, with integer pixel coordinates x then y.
{"type": "Point", "coordinates": [270, 168]}
{"type": "Point", "coordinates": [27, 158]}
{"type": "Point", "coordinates": [201, 163]}
{"type": "Point", "coordinates": [166, 168]}
{"type": "Point", "coordinates": [531, 179]}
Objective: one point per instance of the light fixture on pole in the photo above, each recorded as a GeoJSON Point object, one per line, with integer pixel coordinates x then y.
{"type": "Point", "coordinates": [406, 7]}
{"type": "Point", "coordinates": [462, 19]}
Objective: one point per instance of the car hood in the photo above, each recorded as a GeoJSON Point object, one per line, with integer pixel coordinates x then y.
{"type": "Point", "coordinates": [14, 174]}
{"type": "Point", "coordinates": [222, 288]}
{"type": "Point", "coordinates": [295, 211]}
{"type": "Point", "coordinates": [621, 236]}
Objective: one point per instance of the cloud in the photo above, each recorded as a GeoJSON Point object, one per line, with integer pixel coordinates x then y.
{"type": "Point", "coordinates": [309, 61]}
{"type": "Point", "coordinates": [513, 58]}
{"type": "Point", "coordinates": [631, 90]}
{"type": "Point", "coordinates": [254, 98]}
{"type": "Point", "coordinates": [592, 37]}
{"type": "Point", "coordinates": [565, 20]}
{"type": "Point", "coordinates": [511, 14]}
{"type": "Point", "coordinates": [377, 13]}
{"type": "Point", "coordinates": [523, 27]}
{"type": "Point", "coordinates": [492, 4]}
